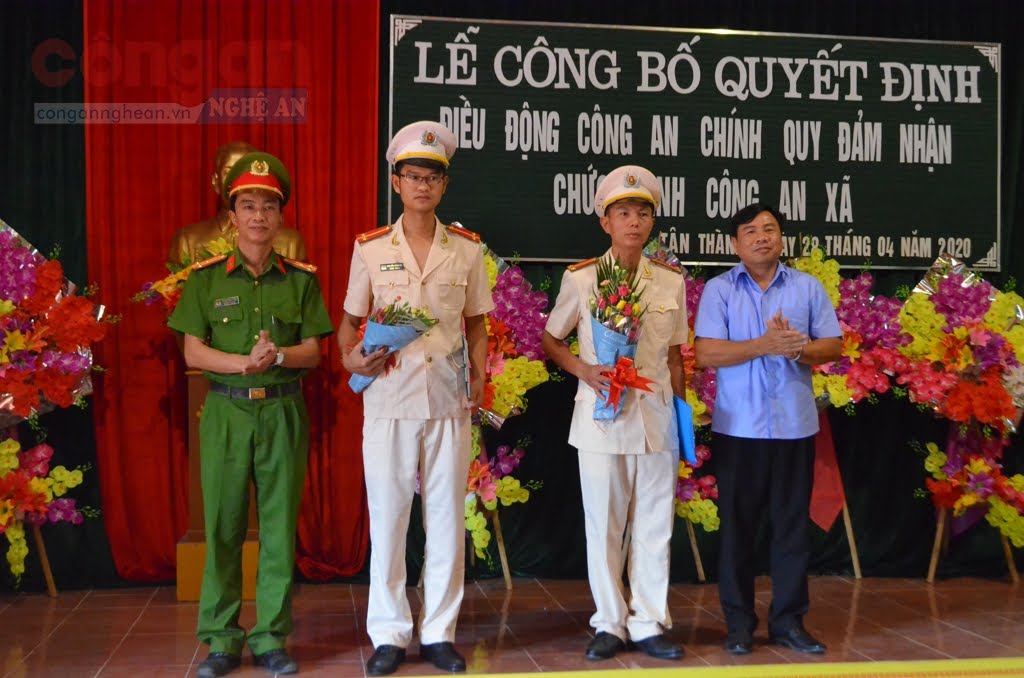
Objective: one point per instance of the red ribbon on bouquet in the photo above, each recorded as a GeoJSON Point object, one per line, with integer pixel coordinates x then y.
{"type": "Point", "coordinates": [625, 375]}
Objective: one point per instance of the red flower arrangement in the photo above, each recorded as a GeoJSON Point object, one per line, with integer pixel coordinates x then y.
{"type": "Point", "coordinates": [32, 492]}
{"type": "Point", "coordinates": [45, 332]}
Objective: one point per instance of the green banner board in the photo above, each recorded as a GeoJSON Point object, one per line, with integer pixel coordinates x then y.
{"type": "Point", "coordinates": [876, 150]}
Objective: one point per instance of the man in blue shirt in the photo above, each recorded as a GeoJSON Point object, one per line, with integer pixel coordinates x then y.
{"type": "Point", "coordinates": [763, 325]}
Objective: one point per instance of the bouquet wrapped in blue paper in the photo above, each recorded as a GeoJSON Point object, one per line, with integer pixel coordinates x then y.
{"type": "Point", "coordinates": [393, 327]}
{"type": "Point", "coordinates": [615, 314]}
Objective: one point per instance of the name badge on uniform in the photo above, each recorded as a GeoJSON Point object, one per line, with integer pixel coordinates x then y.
{"type": "Point", "coordinates": [396, 266]}
{"type": "Point", "coordinates": [227, 301]}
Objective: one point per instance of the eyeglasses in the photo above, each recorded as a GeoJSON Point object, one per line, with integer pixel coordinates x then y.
{"type": "Point", "coordinates": [423, 179]}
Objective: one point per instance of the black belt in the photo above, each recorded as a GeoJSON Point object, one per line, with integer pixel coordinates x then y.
{"type": "Point", "coordinates": [255, 393]}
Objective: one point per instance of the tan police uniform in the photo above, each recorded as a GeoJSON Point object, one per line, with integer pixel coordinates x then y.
{"type": "Point", "coordinates": [628, 466]}
{"type": "Point", "coordinates": [414, 419]}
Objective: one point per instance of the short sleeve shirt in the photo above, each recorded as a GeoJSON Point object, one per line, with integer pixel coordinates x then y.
{"type": "Point", "coordinates": [647, 421]}
{"type": "Point", "coordinates": [226, 306]}
{"type": "Point", "coordinates": [425, 383]}
{"type": "Point", "coordinates": [771, 396]}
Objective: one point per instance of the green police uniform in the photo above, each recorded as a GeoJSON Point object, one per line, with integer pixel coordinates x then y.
{"type": "Point", "coordinates": [252, 426]}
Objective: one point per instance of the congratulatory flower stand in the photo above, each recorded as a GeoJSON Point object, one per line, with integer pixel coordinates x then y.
{"type": "Point", "coordinates": [46, 334]}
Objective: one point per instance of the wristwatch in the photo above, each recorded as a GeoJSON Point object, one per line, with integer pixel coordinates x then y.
{"type": "Point", "coordinates": [279, 358]}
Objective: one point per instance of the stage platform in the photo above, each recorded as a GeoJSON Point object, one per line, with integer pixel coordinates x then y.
{"type": "Point", "coordinates": [873, 627]}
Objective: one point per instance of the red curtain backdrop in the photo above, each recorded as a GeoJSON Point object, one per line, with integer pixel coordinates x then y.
{"type": "Point", "coordinates": [144, 181]}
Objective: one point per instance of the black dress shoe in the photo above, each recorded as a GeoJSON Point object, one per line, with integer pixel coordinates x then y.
{"type": "Point", "coordinates": [385, 659]}
{"type": "Point", "coordinates": [737, 645]}
{"type": "Point", "coordinates": [218, 664]}
{"type": "Point", "coordinates": [660, 647]}
{"type": "Point", "coordinates": [277, 662]}
{"type": "Point", "coordinates": [443, 656]}
{"type": "Point", "coordinates": [604, 646]}
{"type": "Point", "coordinates": [798, 639]}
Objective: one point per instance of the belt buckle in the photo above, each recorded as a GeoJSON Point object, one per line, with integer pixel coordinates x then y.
{"type": "Point", "coordinates": [257, 393]}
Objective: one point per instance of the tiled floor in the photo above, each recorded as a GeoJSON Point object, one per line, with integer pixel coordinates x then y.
{"type": "Point", "coordinates": [539, 626]}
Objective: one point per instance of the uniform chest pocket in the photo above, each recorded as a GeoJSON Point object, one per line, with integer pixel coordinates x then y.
{"type": "Point", "coordinates": [660, 318]}
{"type": "Point", "coordinates": [389, 284]}
{"type": "Point", "coordinates": [285, 324]}
{"type": "Point", "coordinates": [227, 328]}
{"type": "Point", "coordinates": [451, 291]}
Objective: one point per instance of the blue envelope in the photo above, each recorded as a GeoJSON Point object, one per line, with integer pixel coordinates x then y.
{"type": "Point", "coordinates": [684, 426]}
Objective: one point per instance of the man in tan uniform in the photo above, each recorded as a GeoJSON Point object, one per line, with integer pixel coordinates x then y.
{"type": "Point", "coordinates": [417, 414]}
{"type": "Point", "coordinates": [189, 243]}
{"type": "Point", "coordinates": [627, 465]}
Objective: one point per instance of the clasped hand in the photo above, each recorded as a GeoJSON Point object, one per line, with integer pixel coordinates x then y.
{"type": "Point", "coordinates": [262, 354]}
{"type": "Point", "coordinates": [781, 339]}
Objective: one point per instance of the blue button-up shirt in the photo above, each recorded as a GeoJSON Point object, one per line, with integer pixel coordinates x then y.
{"type": "Point", "coordinates": [770, 396]}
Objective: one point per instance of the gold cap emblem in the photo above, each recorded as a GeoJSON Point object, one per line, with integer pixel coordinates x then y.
{"type": "Point", "coordinates": [632, 180]}
{"type": "Point", "coordinates": [429, 138]}
{"type": "Point", "coordinates": [259, 168]}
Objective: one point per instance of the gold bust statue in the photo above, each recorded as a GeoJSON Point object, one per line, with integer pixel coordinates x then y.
{"type": "Point", "coordinates": [188, 243]}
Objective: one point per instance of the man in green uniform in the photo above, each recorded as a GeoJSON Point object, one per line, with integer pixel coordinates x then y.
{"type": "Point", "coordinates": [252, 322]}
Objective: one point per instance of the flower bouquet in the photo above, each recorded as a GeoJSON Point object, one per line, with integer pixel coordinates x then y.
{"type": "Point", "coordinates": [695, 496]}
{"type": "Point", "coordinates": [615, 316]}
{"type": "Point", "coordinates": [32, 492]}
{"type": "Point", "coordinates": [962, 358]}
{"type": "Point", "coordinates": [968, 479]}
{"type": "Point", "coordinates": [964, 347]}
{"type": "Point", "coordinates": [515, 359]}
{"type": "Point", "coordinates": [871, 335]}
{"type": "Point", "coordinates": [490, 482]}
{"type": "Point", "coordinates": [515, 364]}
{"type": "Point", "coordinates": [393, 327]}
{"type": "Point", "coordinates": [167, 290]}
{"type": "Point", "coordinates": [45, 332]}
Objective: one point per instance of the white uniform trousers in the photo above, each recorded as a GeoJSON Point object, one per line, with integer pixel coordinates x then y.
{"type": "Point", "coordinates": [638, 488]}
{"type": "Point", "coordinates": [393, 449]}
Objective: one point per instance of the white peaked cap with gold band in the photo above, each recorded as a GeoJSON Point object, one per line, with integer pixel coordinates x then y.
{"type": "Point", "coordinates": [628, 181]}
{"type": "Point", "coordinates": [424, 139]}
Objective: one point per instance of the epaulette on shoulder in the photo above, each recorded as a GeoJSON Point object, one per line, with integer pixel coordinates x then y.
{"type": "Point", "coordinates": [465, 233]}
{"type": "Point", "coordinates": [209, 262]}
{"type": "Point", "coordinates": [301, 265]}
{"type": "Point", "coordinates": [583, 264]}
{"type": "Point", "coordinates": [665, 264]}
{"type": "Point", "coordinates": [372, 235]}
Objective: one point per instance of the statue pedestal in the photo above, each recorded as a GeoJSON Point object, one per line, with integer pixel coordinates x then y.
{"type": "Point", "coordinates": [191, 551]}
